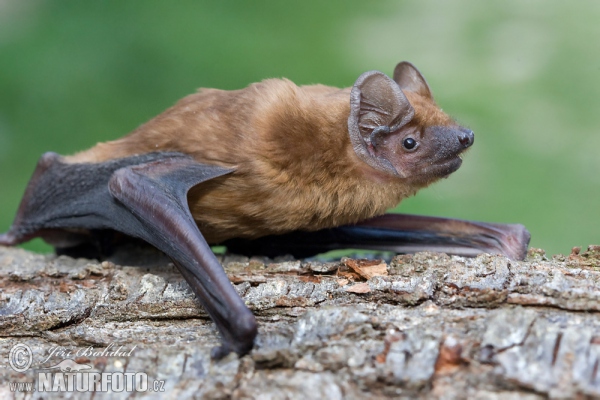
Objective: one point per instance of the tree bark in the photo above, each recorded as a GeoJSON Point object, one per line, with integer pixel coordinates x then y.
{"type": "Point", "coordinates": [421, 326]}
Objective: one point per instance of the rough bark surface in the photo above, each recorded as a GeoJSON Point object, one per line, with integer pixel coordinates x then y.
{"type": "Point", "coordinates": [420, 326]}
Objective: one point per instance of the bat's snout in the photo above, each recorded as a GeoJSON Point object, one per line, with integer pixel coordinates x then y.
{"type": "Point", "coordinates": [466, 137]}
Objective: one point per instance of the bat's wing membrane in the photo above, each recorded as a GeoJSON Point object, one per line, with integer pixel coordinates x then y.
{"type": "Point", "coordinates": [145, 197]}
{"type": "Point", "coordinates": [400, 233]}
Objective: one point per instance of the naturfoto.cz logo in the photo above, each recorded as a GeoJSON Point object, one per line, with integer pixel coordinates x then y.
{"type": "Point", "coordinates": [72, 376]}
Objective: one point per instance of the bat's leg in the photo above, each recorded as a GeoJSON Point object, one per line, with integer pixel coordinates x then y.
{"type": "Point", "coordinates": [145, 197]}
{"type": "Point", "coordinates": [400, 233]}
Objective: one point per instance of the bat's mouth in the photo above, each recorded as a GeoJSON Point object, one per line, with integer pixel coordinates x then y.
{"type": "Point", "coordinates": [439, 170]}
{"type": "Point", "coordinates": [446, 168]}
{"type": "Point", "coordinates": [452, 165]}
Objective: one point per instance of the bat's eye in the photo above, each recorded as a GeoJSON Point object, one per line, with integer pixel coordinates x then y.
{"type": "Point", "coordinates": [409, 143]}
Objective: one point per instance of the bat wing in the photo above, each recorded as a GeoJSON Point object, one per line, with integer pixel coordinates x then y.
{"type": "Point", "coordinates": [400, 233]}
{"type": "Point", "coordinates": [145, 197]}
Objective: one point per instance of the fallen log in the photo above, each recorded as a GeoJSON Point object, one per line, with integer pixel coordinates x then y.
{"type": "Point", "coordinates": [419, 326]}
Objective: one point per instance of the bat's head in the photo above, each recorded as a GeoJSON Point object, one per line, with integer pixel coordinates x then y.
{"type": "Point", "coordinates": [396, 127]}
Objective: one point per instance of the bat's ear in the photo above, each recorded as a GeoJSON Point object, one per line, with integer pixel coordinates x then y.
{"type": "Point", "coordinates": [377, 108]}
{"type": "Point", "coordinates": [408, 77]}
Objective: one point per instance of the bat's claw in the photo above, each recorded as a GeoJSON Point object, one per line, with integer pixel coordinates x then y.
{"type": "Point", "coordinates": [241, 345]}
{"type": "Point", "coordinates": [218, 352]}
{"type": "Point", "coordinates": [242, 342]}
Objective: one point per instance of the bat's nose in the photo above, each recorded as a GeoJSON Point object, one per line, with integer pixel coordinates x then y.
{"type": "Point", "coordinates": [466, 137]}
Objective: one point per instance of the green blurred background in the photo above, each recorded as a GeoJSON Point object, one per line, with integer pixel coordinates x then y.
{"type": "Point", "coordinates": [524, 75]}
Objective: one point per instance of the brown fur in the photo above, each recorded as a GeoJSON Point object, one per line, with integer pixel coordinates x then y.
{"type": "Point", "coordinates": [295, 165]}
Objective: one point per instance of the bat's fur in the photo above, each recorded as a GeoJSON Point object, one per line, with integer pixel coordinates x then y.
{"type": "Point", "coordinates": [295, 165]}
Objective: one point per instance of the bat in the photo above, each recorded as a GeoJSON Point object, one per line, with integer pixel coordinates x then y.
{"type": "Point", "coordinates": [272, 168]}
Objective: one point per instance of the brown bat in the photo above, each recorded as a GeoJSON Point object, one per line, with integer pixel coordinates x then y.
{"type": "Point", "coordinates": [272, 168]}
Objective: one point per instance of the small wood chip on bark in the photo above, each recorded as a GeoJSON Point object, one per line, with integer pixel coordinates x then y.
{"type": "Point", "coordinates": [362, 287]}
{"type": "Point", "coordinates": [367, 268]}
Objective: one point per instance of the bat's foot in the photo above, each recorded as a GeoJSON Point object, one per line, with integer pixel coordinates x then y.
{"type": "Point", "coordinates": [515, 242]}
{"type": "Point", "coordinates": [7, 239]}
